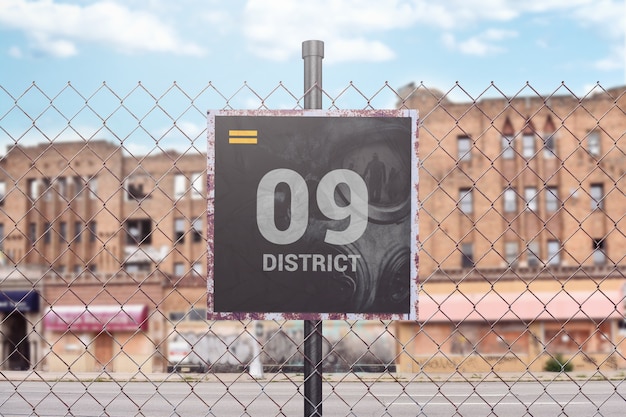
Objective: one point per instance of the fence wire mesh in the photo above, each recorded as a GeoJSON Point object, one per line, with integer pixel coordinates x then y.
{"type": "Point", "coordinates": [103, 272]}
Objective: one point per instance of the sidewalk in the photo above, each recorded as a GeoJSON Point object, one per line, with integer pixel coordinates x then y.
{"type": "Point", "coordinates": [365, 377]}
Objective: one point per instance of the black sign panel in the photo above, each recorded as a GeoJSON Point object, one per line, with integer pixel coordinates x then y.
{"type": "Point", "coordinates": [312, 212]}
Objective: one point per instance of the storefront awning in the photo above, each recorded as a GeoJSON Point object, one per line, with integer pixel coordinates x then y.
{"type": "Point", "coordinates": [22, 301]}
{"type": "Point", "coordinates": [97, 318]}
{"type": "Point", "coordinates": [528, 306]}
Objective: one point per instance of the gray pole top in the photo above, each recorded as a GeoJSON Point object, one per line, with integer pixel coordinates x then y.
{"type": "Point", "coordinates": [313, 48]}
{"type": "Point", "coordinates": [312, 53]}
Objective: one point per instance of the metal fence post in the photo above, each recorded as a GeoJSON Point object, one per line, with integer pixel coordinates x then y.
{"type": "Point", "coordinates": [312, 54]}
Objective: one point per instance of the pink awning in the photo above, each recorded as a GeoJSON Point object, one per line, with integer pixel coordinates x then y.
{"type": "Point", "coordinates": [97, 318]}
{"type": "Point", "coordinates": [527, 306]}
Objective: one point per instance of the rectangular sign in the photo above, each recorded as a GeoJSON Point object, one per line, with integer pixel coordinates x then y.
{"type": "Point", "coordinates": [22, 301]}
{"type": "Point", "coordinates": [312, 214]}
{"type": "Point", "coordinates": [130, 317]}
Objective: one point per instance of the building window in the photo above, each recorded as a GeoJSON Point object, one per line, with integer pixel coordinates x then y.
{"type": "Point", "coordinates": [197, 314]}
{"type": "Point", "coordinates": [532, 254]}
{"type": "Point", "coordinates": [194, 314]}
{"type": "Point", "coordinates": [62, 187]}
{"type": "Point", "coordinates": [530, 196]}
{"type": "Point", "coordinates": [593, 143]}
{"type": "Point", "coordinates": [180, 183]}
{"type": "Point", "coordinates": [197, 269]}
{"type": "Point", "coordinates": [528, 145]}
{"type": "Point", "coordinates": [510, 200]}
{"type": "Point", "coordinates": [179, 269]}
{"type": "Point", "coordinates": [467, 255]}
{"type": "Point", "coordinates": [63, 232]}
{"type": "Point", "coordinates": [572, 340]}
{"type": "Point", "coordinates": [92, 186]}
{"type": "Point", "coordinates": [552, 199]}
{"type": "Point", "coordinates": [179, 230]}
{"type": "Point", "coordinates": [139, 186]}
{"type": "Point", "coordinates": [196, 185]}
{"type": "Point", "coordinates": [597, 196]}
{"type": "Point", "coordinates": [3, 192]}
{"type": "Point", "coordinates": [175, 316]}
{"type": "Point", "coordinates": [196, 230]}
{"type": "Point", "coordinates": [599, 251]}
{"type": "Point", "coordinates": [1, 237]}
{"type": "Point", "coordinates": [465, 200]}
{"type": "Point", "coordinates": [47, 189]}
{"type": "Point", "coordinates": [33, 188]}
{"type": "Point", "coordinates": [135, 191]}
{"type": "Point", "coordinates": [32, 233]}
{"type": "Point", "coordinates": [78, 184]}
{"type": "Point", "coordinates": [47, 233]}
{"type": "Point", "coordinates": [137, 267]}
{"type": "Point", "coordinates": [78, 231]}
{"type": "Point", "coordinates": [511, 253]}
{"type": "Point", "coordinates": [554, 252]}
{"type": "Point", "coordinates": [508, 144]}
{"type": "Point", "coordinates": [92, 231]}
{"type": "Point", "coordinates": [549, 146]}
{"type": "Point", "coordinates": [138, 231]}
{"type": "Point", "coordinates": [464, 148]}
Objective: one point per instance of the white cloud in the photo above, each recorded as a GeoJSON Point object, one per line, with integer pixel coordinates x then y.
{"type": "Point", "coordinates": [485, 43]}
{"type": "Point", "coordinates": [15, 52]}
{"type": "Point", "coordinates": [57, 47]}
{"type": "Point", "coordinates": [361, 49]}
{"type": "Point", "coordinates": [478, 47]}
{"type": "Point", "coordinates": [616, 60]}
{"type": "Point", "coordinates": [137, 149]}
{"type": "Point", "coordinates": [357, 29]}
{"type": "Point", "coordinates": [351, 29]}
{"type": "Point", "coordinates": [606, 16]}
{"type": "Point", "coordinates": [463, 13]}
{"type": "Point", "coordinates": [183, 136]}
{"type": "Point", "coordinates": [57, 28]}
{"type": "Point", "coordinates": [458, 13]}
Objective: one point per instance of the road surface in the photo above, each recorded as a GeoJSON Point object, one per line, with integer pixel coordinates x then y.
{"type": "Point", "coordinates": [185, 398]}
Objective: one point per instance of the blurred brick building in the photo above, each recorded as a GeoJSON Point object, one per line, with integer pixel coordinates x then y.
{"type": "Point", "coordinates": [84, 205]}
{"type": "Point", "coordinates": [105, 230]}
{"type": "Point", "coordinates": [522, 213]}
{"type": "Point", "coordinates": [522, 223]}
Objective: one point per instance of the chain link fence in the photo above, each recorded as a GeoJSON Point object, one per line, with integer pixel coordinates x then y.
{"type": "Point", "coordinates": [103, 262]}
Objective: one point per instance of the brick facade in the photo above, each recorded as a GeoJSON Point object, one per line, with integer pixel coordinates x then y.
{"type": "Point", "coordinates": [563, 148]}
{"type": "Point", "coordinates": [81, 206]}
{"type": "Point", "coordinates": [521, 200]}
{"type": "Point", "coordinates": [104, 228]}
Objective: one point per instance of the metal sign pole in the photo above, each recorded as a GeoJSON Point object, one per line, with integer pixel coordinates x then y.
{"type": "Point", "coordinates": [312, 54]}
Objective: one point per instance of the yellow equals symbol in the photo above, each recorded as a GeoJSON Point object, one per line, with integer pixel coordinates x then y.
{"type": "Point", "coordinates": [242, 137]}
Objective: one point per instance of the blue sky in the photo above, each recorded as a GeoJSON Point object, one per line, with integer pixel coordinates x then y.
{"type": "Point", "coordinates": [367, 42]}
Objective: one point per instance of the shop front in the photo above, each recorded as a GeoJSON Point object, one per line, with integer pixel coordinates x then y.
{"type": "Point", "coordinates": [514, 331]}
{"type": "Point", "coordinates": [19, 310]}
{"type": "Point", "coordinates": [110, 338]}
